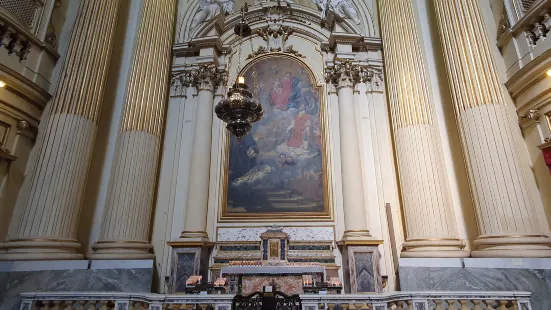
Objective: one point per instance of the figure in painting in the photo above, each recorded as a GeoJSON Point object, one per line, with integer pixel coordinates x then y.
{"type": "Point", "coordinates": [277, 86]}
{"type": "Point", "coordinates": [301, 129]}
{"type": "Point", "coordinates": [243, 156]}
{"type": "Point", "coordinates": [280, 95]}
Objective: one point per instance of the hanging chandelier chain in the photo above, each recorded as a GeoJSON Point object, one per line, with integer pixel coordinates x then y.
{"type": "Point", "coordinates": [254, 73]}
{"type": "Point", "coordinates": [240, 41]}
{"type": "Point", "coordinates": [239, 109]}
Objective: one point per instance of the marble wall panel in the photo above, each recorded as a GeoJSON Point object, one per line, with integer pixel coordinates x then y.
{"type": "Point", "coordinates": [363, 266]}
{"type": "Point", "coordinates": [225, 234]}
{"type": "Point", "coordinates": [186, 268]}
{"type": "Point", "coordinates": [536, 281]}
{"type": "Point", "coordinates": [365, 279]}
{"type": "Point", "coordinates": [286, 284]}
{"type": "Point", "coordinates": [94, 280]}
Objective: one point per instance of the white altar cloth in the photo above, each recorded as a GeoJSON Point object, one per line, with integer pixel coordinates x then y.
{"type": "Point", "coordinates": [272, 270]}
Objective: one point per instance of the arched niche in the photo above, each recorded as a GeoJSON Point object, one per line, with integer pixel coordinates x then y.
{"type": "Point", "coordinates": [304, 13]}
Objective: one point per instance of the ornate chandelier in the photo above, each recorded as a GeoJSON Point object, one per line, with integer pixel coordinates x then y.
{"type": "Point", "coordinates": [239, 110]}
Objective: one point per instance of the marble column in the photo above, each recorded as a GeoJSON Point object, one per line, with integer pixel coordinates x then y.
{"type": "Point", "coordinates": [505, 210]}
{"type": "Point", "coordinates": [206, 79]}
{"type": "Point", "coordinates": [127, 214]}
{"type": "Point", "coordinates": [44, 225]}
{"type": "Point", "coordinates": [430, 222]}
{"type": "Point", "coordinates": [344, 75]}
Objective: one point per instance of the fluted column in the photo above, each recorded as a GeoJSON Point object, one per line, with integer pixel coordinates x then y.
{"type": "Point", "coordinates": [344, 76]}
{"type": "Point", "coordinates": [505, 211]}
{"type": "Point", "coordinates": [44, 225]}
{"type": "Point", "coordinates": [430, 221]}
{"type": "Point", "coordinates": [126, 219]}
{"type": "Point", "coordinates": [206, 79]}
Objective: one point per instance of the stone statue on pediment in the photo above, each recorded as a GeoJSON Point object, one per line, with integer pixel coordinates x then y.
{"type": "Point", "coordinates": [278, 1]}
{"type": "Point", "coordinates": [342, 8]}
{"type": "Point", "coordinates": [208, 9]}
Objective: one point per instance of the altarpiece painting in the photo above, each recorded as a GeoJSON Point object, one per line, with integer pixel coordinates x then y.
{"type": "Point", "coordinates": [278, 169]}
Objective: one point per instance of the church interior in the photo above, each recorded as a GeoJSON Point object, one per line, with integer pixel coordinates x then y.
{"type": "Point", "coordinates": [275, 154]}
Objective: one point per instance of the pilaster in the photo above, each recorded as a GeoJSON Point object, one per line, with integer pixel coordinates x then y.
{"type": "Point", "coordinates": [505, 209]}
{"type": "Point", "coordinates": [44, 225]}
{"type": "Point", "coordinates": [430, 220]}
{"type": "Point", "coordinates": [125, 226]}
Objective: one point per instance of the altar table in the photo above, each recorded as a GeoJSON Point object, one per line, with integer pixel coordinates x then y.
{"type": "Point", "coordinates": [287, 279]}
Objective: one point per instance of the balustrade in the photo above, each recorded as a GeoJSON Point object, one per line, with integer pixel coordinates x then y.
{"type": "Point", "coordinates": [392, 301]}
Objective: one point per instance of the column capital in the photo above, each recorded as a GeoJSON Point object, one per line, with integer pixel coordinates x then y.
{"type": "Point", "coordinates": [343, 74]}
{"type": "Point", "coordinates": [348, 73]}
{"type": "Point", "coordinates": [206, 76]}
{"type": "Point", "coordinates": [373, 78]}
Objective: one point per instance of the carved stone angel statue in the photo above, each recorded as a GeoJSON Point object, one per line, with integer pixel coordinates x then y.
{"type": "Point", "coordinates": [322, 6]}
{"type": "Point", "coordinates": [278, 1]}
{"type": "Point", "coordinates": [208, 9]}
{"type": "Point", "coordinates": [343, 8]}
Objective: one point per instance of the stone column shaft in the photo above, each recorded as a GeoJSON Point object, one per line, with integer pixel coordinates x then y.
{"type": "Point", "coordinates": [505, 211]}
{"type": "Point", "coordinates": [206, 79]}
{"type": "Point", "coordinates": [195, 221]}
{"type": "Point", "coordinates": [430, 221]}
{"type": "Point", "coordinates": [355, 220]}
{"type": "Point", "coordinates": [127, 215]}
{"type": "Point", "coordinates": [44, 225]}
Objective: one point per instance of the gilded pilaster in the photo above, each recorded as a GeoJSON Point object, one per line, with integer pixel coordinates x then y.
{"type": "Point", "coordinates": [506, 217]}
{"type": "Point", "coordinates": [125, 226]}
{"type": "Point", "coordinates": [44, 225]}
{"type": "Point", "coordinates": [430, 221]}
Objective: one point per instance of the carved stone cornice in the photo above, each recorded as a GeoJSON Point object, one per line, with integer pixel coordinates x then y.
{"type": "Point", "coordinates": [343, 74]}
{"type": "Point", "coordinates": [261, 50]}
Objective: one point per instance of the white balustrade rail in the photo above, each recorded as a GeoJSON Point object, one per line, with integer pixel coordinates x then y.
{"type": "Point", "coordinates": [387, 301]}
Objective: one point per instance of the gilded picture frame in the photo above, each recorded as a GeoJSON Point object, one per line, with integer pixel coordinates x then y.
{"type": "Point", "coordinates": [225, 215]}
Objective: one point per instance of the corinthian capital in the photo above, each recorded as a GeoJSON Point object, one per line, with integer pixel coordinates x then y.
{"type": "Point", "coordinates": [207, 77]}
{"type": "Point", "coordinates": [343, 74]}
{"type": "Point", "coordinates": [373, 78]}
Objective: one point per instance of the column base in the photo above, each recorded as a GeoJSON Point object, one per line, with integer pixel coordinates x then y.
{"type": "Point", "coordinates": [40, 249]}
{"type": "Point", "coordinates": [356, 235]}
{"type": "Point", "coordinates": [512, 246]}
{"type": "Point", "coordinates": [190, 257]}
{"type": "Point", "coordinates": [121, 250]}
{"type": "Point", "coordinates": [427, 248]}
{"type": "Point", "coordinates": [194, 236]}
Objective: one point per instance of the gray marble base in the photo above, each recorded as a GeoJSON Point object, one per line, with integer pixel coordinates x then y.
{"type": "Point", "coordinates": [536, 281]}
{"type": "Point", "coordinates": [13, 283]}
{"type": "Point", "coordinates": [363, 267]}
